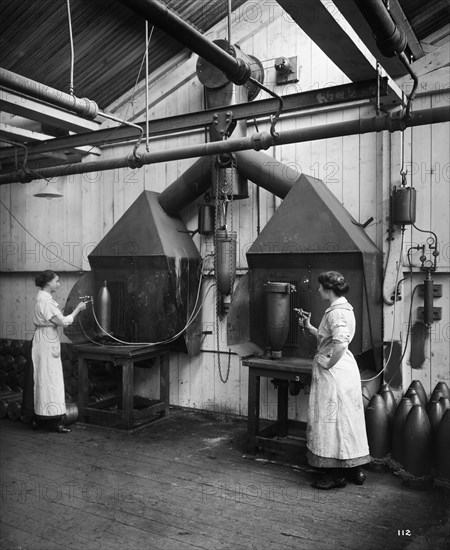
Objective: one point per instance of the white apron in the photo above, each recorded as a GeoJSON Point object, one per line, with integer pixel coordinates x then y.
{"type": "Point", "coordinates": [336, 432]}
{"type": "Point", "coordinates": [49, 399]}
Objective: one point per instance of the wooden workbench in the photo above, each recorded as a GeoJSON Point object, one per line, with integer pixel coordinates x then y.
{"type": "Point", "coordinates": [278, 437]}
{"type": "Point", "coordinates": [120, 411]}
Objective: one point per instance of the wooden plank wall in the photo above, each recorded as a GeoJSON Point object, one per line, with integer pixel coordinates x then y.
{"type": "Point", "coordinates": [360, 170]}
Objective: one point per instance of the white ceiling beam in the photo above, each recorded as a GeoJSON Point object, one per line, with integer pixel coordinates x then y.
{"type": "Point", "coordinates": [17, 104]}
{"type": "Point", "coordinates": [22, 135]}
{"type": "Point", "coordinates": [335, 37]}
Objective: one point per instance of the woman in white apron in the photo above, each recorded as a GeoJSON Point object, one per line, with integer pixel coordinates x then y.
{"type": "Point", "coordinates": [336, 432]}
{"type": "Point", "coordinates": [49, 398]}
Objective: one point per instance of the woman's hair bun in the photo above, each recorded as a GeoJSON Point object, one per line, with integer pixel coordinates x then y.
{"type": "Point", "coordinates": [43, 278]}
{"type": "Point", "coordinates": [335, 281]}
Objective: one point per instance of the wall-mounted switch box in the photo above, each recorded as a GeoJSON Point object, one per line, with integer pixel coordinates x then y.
{"type": "Point", "coordinates": [286, 70]}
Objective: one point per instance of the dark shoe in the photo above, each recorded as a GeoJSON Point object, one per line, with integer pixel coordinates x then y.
{"type": "Point", "coordinates": [327, 482]}
{"type": "Point", "coordinates": [357, 476]}
{"type": "Point", "coordinates": [60, 428]}
{"type": "Point", "coordinates": [34, 425]}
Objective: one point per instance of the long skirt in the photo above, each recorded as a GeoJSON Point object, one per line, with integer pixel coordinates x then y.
{"type": "Point", "coordinates": [49, 398]}
{"type": "Point", "coordinates": [336, 432]}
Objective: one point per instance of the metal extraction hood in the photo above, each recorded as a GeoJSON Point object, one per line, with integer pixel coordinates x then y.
{"type": "Point", "coordinates": [309, 233]}
{"type": "Point", "coordinates": [151, 267]}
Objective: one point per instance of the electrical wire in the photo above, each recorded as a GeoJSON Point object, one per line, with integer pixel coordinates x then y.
{"type": "Point", "coordinates": [407, 333]}
{"type": "Point", "coordinates": [147, 145]}
{"type": "Point", "coordinates": [38, 241]}
{"type": "Point", "coordinates": [127, 123]}
{"type": "Point", "coordinates": [17, 144]}
{"type": "Point", "coordinates": [139, 73]}
{"type": "Point", "coordinates": [167, 340]}
{"type": "Point", "coordinates": [193, 315]}
{"type": "Point", "coordinates": [385, 300]}
{"type": "Point", "coordinates": [429, 231]}
{"type": "Point", "coordinates": [72, 52]}
{"type": "Point", "coordinates": [229, 10]}
{"type": "Point", "coordinates": [386, 363]}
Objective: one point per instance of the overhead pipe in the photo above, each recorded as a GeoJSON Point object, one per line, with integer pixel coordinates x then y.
{"type": "Point", "coordinates": [390, 38]}
{"type": "Point", "coordinates": [236, 70]}
{"type": "Point", "coordinates": [81, 106]}
{"type": "Point", "coordinates": [258, 141]}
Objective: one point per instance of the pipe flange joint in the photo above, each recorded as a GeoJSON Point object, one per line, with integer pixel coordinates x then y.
{"type": "Point", "coordinates": [262, 140]}
{"type": "Point", "coordinates": [242, 73]}
{"type": "Point", "coordinates": [134, 161]}
{"type": "Point", "coordinates": [394, 44]}
{"type": "Point", "coordinates": [89, 109]}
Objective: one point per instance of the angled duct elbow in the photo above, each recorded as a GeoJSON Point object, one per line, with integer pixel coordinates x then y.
{"type": "Point", "coordinates": [188, 187]}
{"type": "Point", "coordinates": [266, 172]}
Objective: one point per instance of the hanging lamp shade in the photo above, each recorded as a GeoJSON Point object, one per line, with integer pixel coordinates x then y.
{"type": "Point", "coordinates": [49, 192]}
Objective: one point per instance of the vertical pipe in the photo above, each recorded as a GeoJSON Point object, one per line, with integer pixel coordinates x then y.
{"type": "Point", "coordinates": [229, 26]}
{"type": "Point", "coordinates": [146, 86]}
{"type": "Point", "coordinates": [428, 300]}
{"type": "Point", "coordinates": [72, 53]}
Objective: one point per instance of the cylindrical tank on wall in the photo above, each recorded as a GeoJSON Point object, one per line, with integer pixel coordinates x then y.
{"type": "Point", "coordinates": [277, 315]}
{"type": "Point", "coordinates": [404, 206]}
{"type": "Point", "coordinates": [226, 260]}
{"type": "Point", "coordinates": [206, 217]}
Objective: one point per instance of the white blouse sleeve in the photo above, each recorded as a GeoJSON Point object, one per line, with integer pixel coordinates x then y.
{"type": "Point", "coordinates": [338, 326]}
{"type": "Point", "coordinates": [62, 321]}
{"type": "Point", "coordinates": [51, 312]}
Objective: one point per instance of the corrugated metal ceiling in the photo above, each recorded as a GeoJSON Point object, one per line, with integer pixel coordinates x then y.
{"type": "Point", "coordinates": [109, 39]}
{"type": "Point", "coordinates": [426, 16]}
{"type": "Point", "coordinates": [109, 42]}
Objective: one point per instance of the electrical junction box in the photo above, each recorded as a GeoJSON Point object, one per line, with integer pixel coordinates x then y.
{"type": "Point", "coordinates": [286, 70]}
